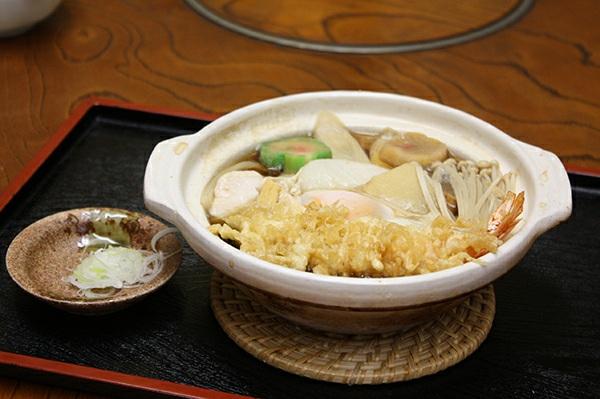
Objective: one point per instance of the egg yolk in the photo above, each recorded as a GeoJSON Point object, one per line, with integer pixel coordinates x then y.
{"type": "Point", "coordinates": [358, 205]}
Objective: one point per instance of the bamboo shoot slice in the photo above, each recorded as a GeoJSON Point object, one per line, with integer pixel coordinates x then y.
{"type": "Point", "coordinates": [331, 131]}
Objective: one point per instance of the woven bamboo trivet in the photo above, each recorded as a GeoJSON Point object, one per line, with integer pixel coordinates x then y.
{"type": "Point", "coordinates": [352, 359]}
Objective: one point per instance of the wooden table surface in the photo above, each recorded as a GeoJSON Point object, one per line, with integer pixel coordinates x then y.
{"type": "Point", "coordinates": [538, 79]}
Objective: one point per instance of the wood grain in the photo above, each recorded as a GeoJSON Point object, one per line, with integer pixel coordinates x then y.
{"type": "Point", "coordinates": [538, 80]}
{"type": "Point", "coordinates": [362, 21]}
{"type": "Point", "coordinates": [13, 389]}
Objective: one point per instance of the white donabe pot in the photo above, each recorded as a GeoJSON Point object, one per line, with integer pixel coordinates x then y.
{"type": "Point", "coordinates": [179, 169]}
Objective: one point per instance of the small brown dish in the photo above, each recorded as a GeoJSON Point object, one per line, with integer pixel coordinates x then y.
{"type": "Point", "coordinates": [44, 254]}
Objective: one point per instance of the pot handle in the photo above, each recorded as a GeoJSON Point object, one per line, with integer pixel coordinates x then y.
{"type": "Point", "coordinates": [553, 200]}
{"type": "Point", "coordinates": [160, 176]}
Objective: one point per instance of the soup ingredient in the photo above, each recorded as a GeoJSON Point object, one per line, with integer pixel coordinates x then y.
{"type": "Point", "coordinates": [400, 187]}
{"type": "Point", "coordinates": [506, 217]}
{"type": "Point", "coordinates": [365, 140]}
{"type": "Point", "coordinates": [358, 205]}
{"type": "Point", "coordinates": [322, 239]}
{"type": "Point", "coordinates": [478, 187]}
{"type": "Point", "coordinates": [412, 210]}
{"type": "Point", "coordinates": [234, 190]}
{"type": "Point", "coordinates": [207, 195]}
{"type": "Point", "coordinates": [269, 194]}
{"type": "Point", "coordinates": [290, 154]}
{"type": "Point", "coordinates": [330, 130]}
{"type": "Point", "coordinates": [393, 148]}
{"type": "Point", "coordinates": [335, 174]}
{"type": "Point", "coordinates": [457, 189]}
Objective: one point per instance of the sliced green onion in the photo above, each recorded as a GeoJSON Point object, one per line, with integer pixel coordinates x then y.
{"type": "Point", "coordinates": [107, 270]}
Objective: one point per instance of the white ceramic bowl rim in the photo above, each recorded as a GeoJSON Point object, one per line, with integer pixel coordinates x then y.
{"type": "Point", "coordinates": [548, 201]}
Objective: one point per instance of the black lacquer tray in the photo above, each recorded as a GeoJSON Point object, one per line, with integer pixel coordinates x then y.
{"type": "Point", "coordinates": [545, 341]}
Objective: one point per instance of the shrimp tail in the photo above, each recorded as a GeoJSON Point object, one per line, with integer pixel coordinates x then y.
{"type": "Point", "coordinates": [504, 219]}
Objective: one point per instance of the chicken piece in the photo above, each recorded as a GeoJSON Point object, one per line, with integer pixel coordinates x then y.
{"type": "Point", "coordinates": [235, 190]}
